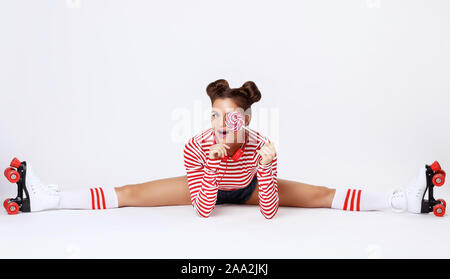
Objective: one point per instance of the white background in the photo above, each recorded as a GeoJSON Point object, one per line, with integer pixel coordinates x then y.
{"type": "Point", "coordinates": [354, 93]}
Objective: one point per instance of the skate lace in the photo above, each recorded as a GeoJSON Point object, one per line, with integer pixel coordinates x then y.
{"type": "Point", "coordinates": [395, 194]}
{"type": "Point", "coordinates": [48, 189]}
{"type": "Point", "coordinates": [35, 185]}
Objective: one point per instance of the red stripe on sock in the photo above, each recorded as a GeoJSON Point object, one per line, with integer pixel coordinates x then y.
{"type": "Point", "coordinates": [346, 199]}
{"type": "Point", "coordinates": [358, 200]}
{"type": "Point", "coordinates": [92, 198]}
{"type": "Point", "coordinates": [353, 199]}
{"type": "Point", "coordinates": [98, 198]}
{"type": "Point", "coordinates": [103, 197]}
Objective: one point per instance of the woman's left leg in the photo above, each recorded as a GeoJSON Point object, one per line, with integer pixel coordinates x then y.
{"type": "Point", "coordinates": [297, 194]}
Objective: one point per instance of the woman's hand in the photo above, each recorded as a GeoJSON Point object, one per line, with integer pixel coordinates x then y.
{"type": "Point", "coordinates": [267, 153]}
{"type": "Point", "coordinates": [218, 151]}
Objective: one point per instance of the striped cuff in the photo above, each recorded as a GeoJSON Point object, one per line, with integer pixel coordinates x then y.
{"type": "Point", "coordinates": [347, 199]}
{"type": "Point", "coordinates": [212, 164]}
{"type": "Point", "coordinates": [103, 198]}
{"type": "Point", "coordinates": [264, 168]}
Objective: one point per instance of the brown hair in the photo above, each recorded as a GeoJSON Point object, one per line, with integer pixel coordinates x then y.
{"type": "Point", "coordinates": [243, 96]}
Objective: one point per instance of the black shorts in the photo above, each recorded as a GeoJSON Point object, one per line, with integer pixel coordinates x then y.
{"type": "Point", "coordinates": [239, 195]}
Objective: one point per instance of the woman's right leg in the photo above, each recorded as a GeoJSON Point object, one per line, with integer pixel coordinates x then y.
{"type": "Point", "coordinates": [160, 192]}
{"type": "Point", "coordinates": [42, 196]}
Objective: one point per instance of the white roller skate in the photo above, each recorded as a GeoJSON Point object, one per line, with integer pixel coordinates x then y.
{"type": "Point", "coordinates": [411, 198]}
{"type": "Point", "coordinates": [32, 194]}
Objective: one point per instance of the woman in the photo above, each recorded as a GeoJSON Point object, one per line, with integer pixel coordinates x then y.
{"type": "Point", "coordinates": [226, 166]}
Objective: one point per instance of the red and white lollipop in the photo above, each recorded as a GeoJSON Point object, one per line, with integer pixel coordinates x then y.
{"type": "Point", "coordinates": [235, 122]}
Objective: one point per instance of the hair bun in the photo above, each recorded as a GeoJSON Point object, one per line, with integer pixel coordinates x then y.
{"type": "Point", "coordinates": [243, 96]}
{"type": "Point", "coordinates": [217, 87]}
{"type": "Point", "coordinates": [252, 90]}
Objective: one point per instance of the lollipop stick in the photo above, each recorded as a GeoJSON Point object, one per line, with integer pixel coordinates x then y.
{"type": "Point", "coordinates": [255, 134]}
{"type": "Point", "coordinates": [231, 123]}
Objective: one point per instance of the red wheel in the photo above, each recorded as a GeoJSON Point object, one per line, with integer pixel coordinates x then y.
{"type": "Point", "coordinates": [442, 201]}
{"type": "Point", "coordinates": [12, 208]}
{"type": "Point", "coordinates": [439, 210]}
{"type": "Point", "coordinates": [439, 179]}
{"type": "Point", "coordinates": [15, 163]}
{"type": "Point", "coordinates": [6, 171]}
{"type": "Point", "coordinates": [5, 203]}
{"type": "Point", "coordinates": [12, 175]}
{"type": "Point", "coordinates": [435, 166]}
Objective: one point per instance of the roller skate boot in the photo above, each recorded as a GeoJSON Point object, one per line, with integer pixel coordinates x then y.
{"type": "Point", "coordinates": [412, 197]}
{"type": "Point", "coordinates": [32, 194]}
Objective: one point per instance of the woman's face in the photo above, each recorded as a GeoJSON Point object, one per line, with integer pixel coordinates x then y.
{"type": "Point", "coordinates": [218, 115]}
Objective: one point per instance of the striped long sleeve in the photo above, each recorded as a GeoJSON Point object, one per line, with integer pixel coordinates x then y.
{"type": "Point", "coordinates": [201, 176]}
{"type": "Point", "coordinates": [268, 188]}
{"type": "Point", "coordinates": [206, 177]}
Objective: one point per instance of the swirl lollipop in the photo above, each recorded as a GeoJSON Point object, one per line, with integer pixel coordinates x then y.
{"type": "Point", "coordinates": [235, 122]}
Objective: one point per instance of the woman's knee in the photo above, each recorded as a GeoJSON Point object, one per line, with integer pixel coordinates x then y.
{"type": "Point", "coordinates": [325, 196]}
{"type": "Point", "coordinates": [125, 195]}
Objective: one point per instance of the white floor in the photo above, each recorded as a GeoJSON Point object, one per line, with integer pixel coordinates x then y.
{"type": "Point", "coordinates": [233, 231]}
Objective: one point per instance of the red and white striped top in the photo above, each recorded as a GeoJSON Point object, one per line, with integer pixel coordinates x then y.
{"type": "Point", "coordinates": [206, 176]}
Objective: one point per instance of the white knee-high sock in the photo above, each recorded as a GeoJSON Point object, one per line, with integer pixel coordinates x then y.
{"type": "Point", "coordinates": [89, 198]}
{"type": "Point", "coordinates": [361, 200]}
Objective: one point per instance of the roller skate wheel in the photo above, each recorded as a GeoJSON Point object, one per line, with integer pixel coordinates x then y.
{"type": "Point", "coordinates": [12, 175]}
{"type": "Point", "coordinates": [439, 179]}
{"type": "Point", "coordinates": [6, 171]}
{"type": "Point", "coordinates": [15, 163]}
{"type": "Point", "coordinates": [5, 203]}
{"type": "Point", "coordinates": [12, 208]}
{"type": "Point", "coordinates": [435, 166]}
{"type": "Point", "coordinates": [442, 201]}
{"type": "Point", "coordinates": [439, 210]}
